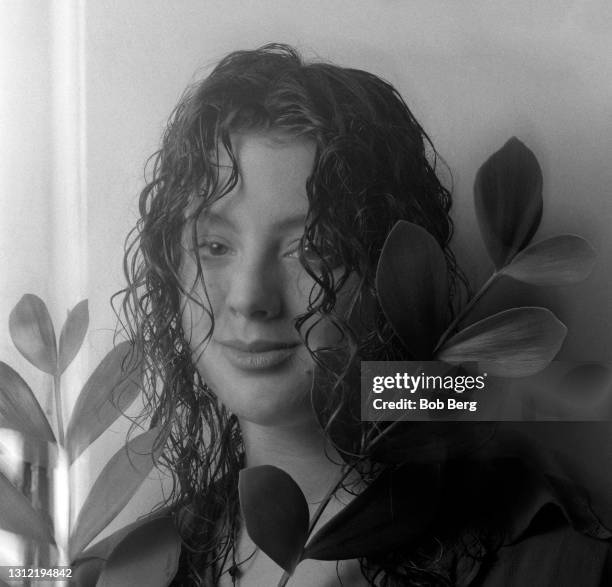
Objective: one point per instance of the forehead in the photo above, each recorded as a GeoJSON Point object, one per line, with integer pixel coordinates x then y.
{"type": "Point", "coordinates": [271, 185]}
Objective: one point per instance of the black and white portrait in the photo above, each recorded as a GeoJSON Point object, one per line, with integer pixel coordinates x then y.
{"type": "Point", "coordinates": [236, 241]}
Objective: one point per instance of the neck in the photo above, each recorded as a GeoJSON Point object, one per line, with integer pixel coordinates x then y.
{"type": "Point", "coordinates": [300, 450]}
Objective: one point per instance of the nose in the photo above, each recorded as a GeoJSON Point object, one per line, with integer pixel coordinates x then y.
{"type": "Point", "coordinates": [255, 290]}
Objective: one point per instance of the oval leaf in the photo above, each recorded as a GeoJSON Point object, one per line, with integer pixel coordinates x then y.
{"type": "Point", "coordinates": [148, 555]}
{"type": "Point", "coordinates": [559, 260]}
{"type": "Point", "coordinates": [412, 287]}
{"type": "Point", "coordinates": [102, 549]}
{"type": "Point", "coordinates": [89, 565]}
{"type": "Point", "coordinates": [108, 392]}
{"type": "Point", "coordinates": [19, 408]}
{"type": "Point", "coordinates": [73, 334]}
{"type": "Point", "coordinates": [17, 514]}
{"type": "Point", "coordinates": [512, 343]}
{"type": "Point", "coordinates": [275, 513]}
{"type": "Point", "coordinates": [33, 334]}
{"type": "Point", "coordinates": [115, 486]}
{"type": "Point", "coordinates": [508, 200]}
{"type": "Point", "coordinates": [390, 514]}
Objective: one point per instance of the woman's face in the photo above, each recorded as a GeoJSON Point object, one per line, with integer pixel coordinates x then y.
{"type": "Point", "coordinates": [248, 245]}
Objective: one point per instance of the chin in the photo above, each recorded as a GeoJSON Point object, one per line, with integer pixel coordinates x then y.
{"type": "Point", "coordinates": [278, 419]}
{"type": "Point", "coordinates": [280, 397]}
{"type": "Point", "coordinates": [269, 406]}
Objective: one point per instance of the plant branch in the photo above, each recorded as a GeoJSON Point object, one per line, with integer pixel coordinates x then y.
{"type": "Point", "coordinates": [455, 322]}
{"type": "Point", "coordinates": [345, 472]}
{"type": "Point", "coordinates": [466, 310]}
{"type": "Point", "coordinates": [323, 504]}
{"type": "Point", "coordinates": [383, 433]}
{"type": "Point", "coordinates": [58, 408]}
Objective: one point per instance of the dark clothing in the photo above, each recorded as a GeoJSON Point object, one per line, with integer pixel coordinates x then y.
{"type": "Point", "coordinates": [559, 557]}
{"type": "Point", "coordinates": [516, 513]}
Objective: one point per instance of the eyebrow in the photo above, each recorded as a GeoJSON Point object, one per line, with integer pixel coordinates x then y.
{"type": "Point", "coordinates": [215, 218]}
{"type": "Point", "coordinates": [282, 224]}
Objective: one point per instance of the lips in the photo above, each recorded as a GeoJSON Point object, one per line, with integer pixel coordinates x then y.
{"type": "Point", "coordinates": [258, 354]}
{"type": "Point", "coordinates": [258, 346]}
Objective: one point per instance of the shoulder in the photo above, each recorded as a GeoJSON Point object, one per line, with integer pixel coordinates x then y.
{"type": "Point", "coordinates": [554, 557]}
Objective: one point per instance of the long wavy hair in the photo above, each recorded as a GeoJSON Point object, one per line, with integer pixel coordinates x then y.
{"type": "Point", "coordinates": [374, 165]}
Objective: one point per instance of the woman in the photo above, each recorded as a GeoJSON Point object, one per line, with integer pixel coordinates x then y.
{"type": "Point", "coordinates": [251, 268]}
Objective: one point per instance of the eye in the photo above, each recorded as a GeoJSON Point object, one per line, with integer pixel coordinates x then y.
{"type": "Point", "coordinates": [212, 248]}
{"type": "Point", "coordinates": [305, 250]}
{"type": "Point", "coordinates": [313, 257]}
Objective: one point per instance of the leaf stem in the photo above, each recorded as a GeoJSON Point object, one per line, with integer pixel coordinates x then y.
{"type": "Point", "coordinates": [319, 511]}
{"type": "Point", "coordinates": [330, 492]}
{"type": "Point", "coordinates": [466, 310]}
{"type": "Point", "coordinates": [383, 433]}
{"type": "Point", "coordinates": [58, 408]}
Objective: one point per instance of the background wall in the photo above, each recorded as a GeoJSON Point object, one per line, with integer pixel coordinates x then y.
{"type": "Point", "coordinates": [474, 73]}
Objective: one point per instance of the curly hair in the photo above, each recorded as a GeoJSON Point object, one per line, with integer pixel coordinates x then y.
{"type": "Point", "coordinates": [374, 165]}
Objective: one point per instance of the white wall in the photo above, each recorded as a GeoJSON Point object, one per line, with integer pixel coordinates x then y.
{"type": "Point", "coordinates": [475, 73]}
{"type": "Point", "coordinates": [25, 160]}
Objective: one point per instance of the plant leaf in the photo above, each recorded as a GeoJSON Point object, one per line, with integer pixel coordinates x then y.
{"type": "Point", "coordinates": [86, 571]}
{"type": "Point", "coordinates": [512, 343]}
{"type": "Point", "coordinates": [107, 393]}
{"type": "Point", "coordinates": [148, 555]}
{"type": "Point", "coordinates": [73, 334]}
{"type": "Point", "coordinates": [559, 260]}
{"type": "Point", "coordinates": [508, 200]}
{"type": "Point", "coordinates": [103, 548]}
{"type": "Point", "coordinates": [19, 408]}
{"type": "Point", "coordinates": [391, 513]}
{"type": "Point", "coordinates": [114, 487]}
{"type": "Point", "coordinates": [90, 563]}
{"type": "Point", "coordinates": [17, 514]}
{"type": "Point", "coordinates": [275, 513]}
{"type": "Point", "coordinates": [412, 287]}
{"type": "Point", "coordinates": [33, 334]}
